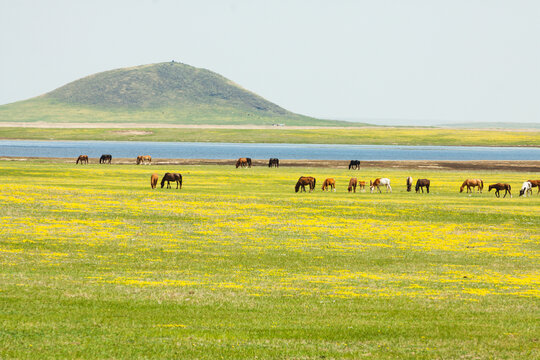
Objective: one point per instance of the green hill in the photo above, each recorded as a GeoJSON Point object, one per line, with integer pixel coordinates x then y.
{"type": "Point", "coordinates": [158, 93]}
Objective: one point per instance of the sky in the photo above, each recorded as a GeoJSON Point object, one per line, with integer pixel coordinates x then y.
{"type": "Point", "coordinates": [388, 62]}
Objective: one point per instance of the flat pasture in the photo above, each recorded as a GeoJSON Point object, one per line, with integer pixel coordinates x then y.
{"type": "Point", "coordinates": [96, 264]}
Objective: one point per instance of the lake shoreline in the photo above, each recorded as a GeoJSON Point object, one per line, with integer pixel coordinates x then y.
{"type": "Point", "coordinates": [495, 165]}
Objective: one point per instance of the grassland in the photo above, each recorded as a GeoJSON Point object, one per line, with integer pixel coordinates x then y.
{"type": "Point", "coordinates": [366, 136]}
{"type": "Point", "coordinates": [95, 264]}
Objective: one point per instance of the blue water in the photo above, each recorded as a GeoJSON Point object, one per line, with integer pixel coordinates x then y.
{"type": "Point", "coordinates": [177, 150]}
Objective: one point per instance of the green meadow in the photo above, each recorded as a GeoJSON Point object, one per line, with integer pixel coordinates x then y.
{"type": "Point", "coordinates": [95, 264]}
{"type": "Point", "coordinates": [364, 136]}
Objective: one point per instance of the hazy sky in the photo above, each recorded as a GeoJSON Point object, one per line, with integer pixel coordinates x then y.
{"type": "Point", "coordinates": [424, 62]}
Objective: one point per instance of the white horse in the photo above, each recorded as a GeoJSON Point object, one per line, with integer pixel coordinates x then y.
{"type": "Point", "coordinates": [526, 188]}
{"type": "Point", "coordinates": [378, 182]}
{"type": "Point", "coordinates": [409, 183]}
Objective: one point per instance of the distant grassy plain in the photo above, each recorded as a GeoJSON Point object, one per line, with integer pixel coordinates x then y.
{"type": "Point", "coordinates": [95, 264]}
{"type": "Point", "coordinates": [367, 136]}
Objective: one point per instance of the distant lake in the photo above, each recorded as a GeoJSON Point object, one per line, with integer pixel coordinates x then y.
{"type": "Point", "coordinates": [200, 150]}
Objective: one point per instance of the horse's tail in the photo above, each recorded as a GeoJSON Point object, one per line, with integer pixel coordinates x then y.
{"type": "Point", "coordinates": [163, 181]}
{"type": "Point", "coordinates": [481, 184]}
{"type": "Point", "coordinates": [180, 180]}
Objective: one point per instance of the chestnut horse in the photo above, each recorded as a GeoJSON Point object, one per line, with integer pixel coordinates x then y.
{"type": "Point", "coordinates": [153, 180]}
{"type": "Point", "coordinates": [83, 159]}
{"type": "Point", "coordinates": [243, 162]}
{"type": "Point", "coordinates": [168, 177]}
{"type": "Point", "coordinates": [330, 182]}
{"type": "Point", "coordinates": [535, 183]}
{"type": "Point", "coordinates": [420, 183]}
{"type": "Point", "coordinates": [144, 159]}
{"type": "Point", "coordinates": [362, 185]}
{"type": "Point", "coordinates": [409, 183]}
{"type": "Point", "coordinates": [378, 182]}
{"type": "Point", "coordinates": [303, 181]}
{"type": "Point", "coordinates": [472, 183]}
{"type": "Point", "coordinates": [500, 186]}
{"type": "Point", "coordinates": [352, 184]}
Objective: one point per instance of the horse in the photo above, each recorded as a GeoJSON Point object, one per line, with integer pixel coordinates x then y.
{"type": "Point", "coordinates": [409, 183]}
{"type": "Point", "coordinates": [354, 164]}
{"type": "Point", "coordinates": [248, 162]}
{"type": "Point", "coordinates": [471, 183]}
{"type": "Point", "coordinates": [243, 162]}
{"type": "Point", "coordinates": [535, 183]}
{"type": "Point", "coordinates": [171, 177]}
{"type": "Point", "coordinates": [303, 181]}
{"type": "Point", "coordinates": [153, 181]}
{"type": "Point", "coordinates": [329, 183]}
{"type": "Point", "coordinates": [362, 185]}
{"type": "Point", "coordinates": [353, 183]}
{"type": "Point", "coordinates": [501, 186]}
{"type": "Point", "coordinates": [526, 188]}
{"type": "Point", "coordinates": [144, 159]}
{"type": "Point", "coordinates": [105, 159]}
{"type": "Point", "coordinates": [420, 183]}
{"type": "Point", "coordinates": [83, 159]}
{"type": "Point", "coordinates": [378, 182]}
{"type": "Point", "coordinates": [273, 162]}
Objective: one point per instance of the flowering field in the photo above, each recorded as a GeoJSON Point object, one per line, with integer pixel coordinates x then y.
{"type": "Point", "coordinates": [96, 264]}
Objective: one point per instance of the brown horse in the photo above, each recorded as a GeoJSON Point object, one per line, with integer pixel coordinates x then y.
{"type": "Point", "coordinates": [153, 180]}
{"type": "Point", "coordinates": [500, 186]}
{"type": "Point", "coordinates": [535, 183]}
{"type": "Point", "coordinates": [472, 183]}
{"type": "Point", "coordinates": [144, 159]}
{"type": "Point", "coordinates": [243, 162]}
{"type": "Point", "coordinates": [420, 183]}
{"type": "Point", "coordinates": [273, 162]}
{"type": "Point", "coordinates": [168, 177]}
{"type": "Point", "coordinates": [83, 159]}
{"type": "Point", "coordinates": [362, 185]}
{"type": "Point", "coordinates": [378, 182]}
{"type": "Point", "coordinates": [330, 182]}
{"type": "Point", "coordinates": [353, 183]}
{"type": "Point", "coordinates": [303, 181]}
{"type": "Point", "coordinates": [105, 159]}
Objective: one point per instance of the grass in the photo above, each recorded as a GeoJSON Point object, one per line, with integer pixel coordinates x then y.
{"type": "Point", "coordinates": [95, 264]}
{"type": "Point", "coordinates": [367, 136]}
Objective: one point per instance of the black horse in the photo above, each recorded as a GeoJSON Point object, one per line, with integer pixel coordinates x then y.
{"type": "Point", "coordinates": [105, 159]}
{"type": "Point", "coordinates": [354, 164]}
{"type": "Point", "coordinates": [273, 162]}
{"type": "Point", "coordinates": [168, 177]}
{"type": "Point", "coordinates": [420, 183]}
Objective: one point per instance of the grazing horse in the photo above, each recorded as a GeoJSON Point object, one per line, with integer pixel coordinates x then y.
{"type": "Point", "coordinates": [153, 180]}
{"type": "Point", "coordinates": [303, 181]}
{"type": "Point", "coordinates": [273, 162]}
{"type": "Point", "coordinates": [243, 162]}
{"type": "Point", "coordinates": [409, 183]}
{"type": "Point", "coordinates": [105, 159]}
{"type": "Point", "coordinates": [83, 159]}
{"type": "Point", "coordinates": [354, 164]}
{"type": "Point", "coordinates": [330, 182]}
{"type": "Point", "coordinates": [168, 177]}
{"type": "Point", "coordinates": [362, 185]}
{"type": "Point", "coordinates": [471, 183]}
{"type": "Point", "coordinates": [378, 182]}
{"type": "Point", "coordinates": [526, 188]}
{"type": "Point", "coordinates": [144, 159]}
{"type": "Point", "coordinates": [501, 186]}
{"type": "Point", "coordinates": [535, 183]}
{"type": "Point", "coordinates": [353, 183]}
{"type": "Point", "coordinates": [420, 183]}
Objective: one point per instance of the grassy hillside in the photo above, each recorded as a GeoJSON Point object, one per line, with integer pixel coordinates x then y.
{"type": "Point", "coordinates": [158, 93]}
